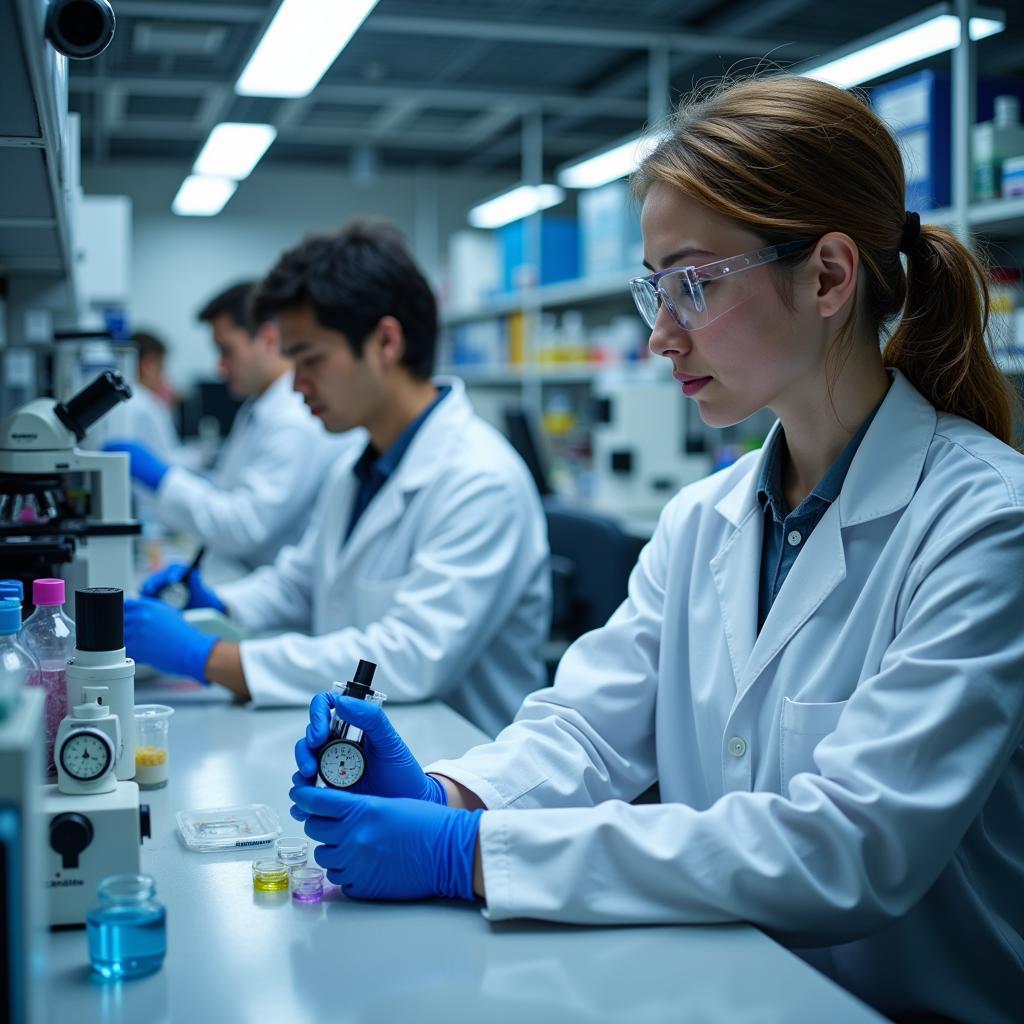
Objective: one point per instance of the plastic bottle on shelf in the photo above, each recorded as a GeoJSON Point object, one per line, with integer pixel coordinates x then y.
{"type": "Point", "coordinates": [994, 142]}
{"type": "Point", "coordinates": [50, 635]}
{"type": "Point", "coordinates": [17, 665]}
{"type": "Point", "coordinates": [573, 348]}
{"type": "Point", "coordinates": [1005, 299]}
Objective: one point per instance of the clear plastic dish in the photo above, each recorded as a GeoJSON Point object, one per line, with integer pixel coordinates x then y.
{"type": "Point", "coordinates": [211, 829]}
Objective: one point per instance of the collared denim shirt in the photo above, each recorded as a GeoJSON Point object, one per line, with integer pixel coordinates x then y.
{"type": "Point", "coordinates": [786, 535]}
{"type": "Point", "coordinates": [373, 470]}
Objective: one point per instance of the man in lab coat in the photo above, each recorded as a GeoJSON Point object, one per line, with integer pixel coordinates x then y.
{"type": "Point", "coordinates": [427, 552]}
{"type": "Point", "coordinates": [259, 497]}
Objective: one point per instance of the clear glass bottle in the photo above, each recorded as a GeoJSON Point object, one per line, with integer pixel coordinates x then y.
{"type": "Point", "coordinates": [127, 928]}
{"type": "Point", "coordinates": [17, 665]}
{"type": "Point", "coordinates": [50, 635]}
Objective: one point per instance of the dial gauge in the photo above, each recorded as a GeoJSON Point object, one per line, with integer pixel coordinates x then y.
{"type": "Point", "coordinates": [86, 755]}
{"type": "Point", "coordinates": [342, 764]}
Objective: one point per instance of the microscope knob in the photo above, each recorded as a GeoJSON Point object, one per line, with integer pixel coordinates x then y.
{"type": "Point", "coordinates": [70, 834]}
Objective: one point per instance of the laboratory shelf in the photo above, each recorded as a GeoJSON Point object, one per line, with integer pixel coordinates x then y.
{"type": "Point", "coordinates": [549, 296]}
{"type": "Point", "coordinates": [1002, 218]}
{"type": "Point", "coordinates": [498, 375]}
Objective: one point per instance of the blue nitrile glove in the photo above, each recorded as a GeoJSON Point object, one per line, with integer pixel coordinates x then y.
{"type": "Point", "coordinates": [391, 769]}
{"type": "Point", "coordinates": [199, 594]}
{"type": "Point", "coordinates": [157, 635]}
{"type": "Point", "coordinates": [145, 467]}
{"type": "Point", "coordinates": [398, 849]}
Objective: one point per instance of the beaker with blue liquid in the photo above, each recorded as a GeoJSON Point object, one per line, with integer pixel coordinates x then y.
{"type": "Point", "coordinates": [127, 928]}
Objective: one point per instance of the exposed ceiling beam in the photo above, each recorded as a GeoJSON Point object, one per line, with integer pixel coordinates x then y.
{"type": "Point", "coordinates": [393, 115]}
{"type": "Point", "coordinates": [340, 135]}
{"type": "Point", "coordinates": [584, 34]}
{"type": "Point", "coordinates": [467, 97]}
{"type": "Point", "coordinates": [615, 37]}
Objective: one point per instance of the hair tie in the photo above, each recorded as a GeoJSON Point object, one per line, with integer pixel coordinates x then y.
{"type": "Point", "coordinates": [911, 232]}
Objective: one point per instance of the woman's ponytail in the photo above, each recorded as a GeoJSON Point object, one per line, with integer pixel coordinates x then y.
{"type": "Point", "coordinates": [940, 344]}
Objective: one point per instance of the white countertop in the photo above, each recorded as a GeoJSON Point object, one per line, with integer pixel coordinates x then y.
{"type": "Point", "coordinates": [235, 955]}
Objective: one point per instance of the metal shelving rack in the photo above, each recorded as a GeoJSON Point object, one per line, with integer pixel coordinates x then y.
{"type": "Point", "coordinates": [996, 219]}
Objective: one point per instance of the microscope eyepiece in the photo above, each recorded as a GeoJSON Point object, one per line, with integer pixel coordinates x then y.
{"type": "Point", "coordinates": [95, 400]}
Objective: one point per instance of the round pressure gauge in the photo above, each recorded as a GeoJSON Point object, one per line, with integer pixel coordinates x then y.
{"type": "Point", "coordinates": [341, 763]}
{"type": "Point", "coordinates": [86, 754]}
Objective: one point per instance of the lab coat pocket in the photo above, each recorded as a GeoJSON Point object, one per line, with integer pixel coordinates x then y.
{"type": "Point", "coordinates": [804, 726]}
{"type": "Point", "coordinates": [373, 599]}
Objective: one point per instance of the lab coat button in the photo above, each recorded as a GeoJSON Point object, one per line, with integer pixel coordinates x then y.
{"type": "Point", "coordinates": [794, 537]}
{"type": "Point", "coordinates": [737, 746]}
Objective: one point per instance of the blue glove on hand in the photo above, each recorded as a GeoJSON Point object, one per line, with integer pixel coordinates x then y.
{"type": "Point", "coordinates": [145, 467]}
{"type": "Point", "coordinates": [157, 635]}
{"type": "Point", "coordinates": [199, 594]}
{"type": "Point", "coordinates": [391, 769]}
{"type": "Point", "coordinates": [380, 849]}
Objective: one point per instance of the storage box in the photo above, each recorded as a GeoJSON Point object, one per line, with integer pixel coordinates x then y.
{"type": "Point", "coordinates": [610, 238]}
{"type": "Point", "coordinates": [474, 268]}
{"type": "Point", "coordinates": [559, 253]}
{"type": "Point", "coordinates": [918, 110]}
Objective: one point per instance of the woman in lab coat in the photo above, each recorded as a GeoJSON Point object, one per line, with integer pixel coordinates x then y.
{"type": "Point", "coordinates": [821, 657]}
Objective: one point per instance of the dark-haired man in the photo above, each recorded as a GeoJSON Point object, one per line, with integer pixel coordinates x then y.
{"type": "Point", "coordinates": [260, 495]}
{"type": "Point", "coordinates": [427, 552]}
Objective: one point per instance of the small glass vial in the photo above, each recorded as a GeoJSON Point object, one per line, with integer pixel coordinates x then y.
{"type": "Point", "coordinates": [292, 851]}
{"type": "Point", "coordinates": [127, 928]}
{"type": "Point", "coordinates": [308, 885]}
{"type": "Point", "coordinates": [269, 876]}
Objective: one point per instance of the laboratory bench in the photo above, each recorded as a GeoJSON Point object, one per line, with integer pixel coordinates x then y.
{"type": "Point", "coordinates": [235, 955]}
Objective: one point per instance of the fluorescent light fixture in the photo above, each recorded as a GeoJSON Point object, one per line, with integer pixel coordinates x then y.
{"type": "Point", "coordinates": [300, 44]}
{"type": "Point", "coordinates": [900, 47]}
{"type": "Point", "coordinates": [200, 196]}
{"type": "Point", "coordinates": [609, 164]}
{"type": "Point", "coordinates": [515, 204]}
{"type": "Point", "coordinates": [234, 149]}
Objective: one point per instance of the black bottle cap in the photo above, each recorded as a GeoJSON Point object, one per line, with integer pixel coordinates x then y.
{"type": "Point", "coordinates": [360, 685]}
{"type": "Point", "coordinates": [99, 619]}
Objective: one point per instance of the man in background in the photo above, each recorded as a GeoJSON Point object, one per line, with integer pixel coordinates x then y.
{"type": "Point", "coordinates": [264, 485]}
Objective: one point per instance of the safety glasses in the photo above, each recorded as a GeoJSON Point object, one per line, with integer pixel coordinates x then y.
{"type": "Point", "coordinates": [697, 296]}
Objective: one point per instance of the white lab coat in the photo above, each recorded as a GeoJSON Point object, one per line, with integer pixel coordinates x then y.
{"type": "Point", "coordinates": [851, 778]}
{"type": "Point", "coordinates": [444, 582]}
{"type": "Point", "coordinates": [261, 493]}
{"type": "Point", "coordinates": [149, 421]}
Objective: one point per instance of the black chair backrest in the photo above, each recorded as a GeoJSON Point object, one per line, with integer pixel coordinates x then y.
{"type": "Point", "coordinates": [591, 559]}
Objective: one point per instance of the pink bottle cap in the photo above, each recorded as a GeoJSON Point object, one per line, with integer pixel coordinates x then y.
{"type": "Point", "coordinates": [46, 593]}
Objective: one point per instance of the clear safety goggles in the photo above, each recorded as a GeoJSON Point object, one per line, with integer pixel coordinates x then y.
{"type": "Point", "coordinates": [697, 296]}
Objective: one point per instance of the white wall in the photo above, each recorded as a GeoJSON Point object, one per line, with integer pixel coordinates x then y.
{"type": "Point", "coordinates": [179, 262]}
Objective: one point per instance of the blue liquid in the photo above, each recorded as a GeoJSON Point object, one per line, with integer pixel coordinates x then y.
{"type": "Point", "coordinates": [125, 942]}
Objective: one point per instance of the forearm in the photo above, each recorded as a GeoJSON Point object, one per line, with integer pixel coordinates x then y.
{"type": "Point", "coordinates": [224, 666]}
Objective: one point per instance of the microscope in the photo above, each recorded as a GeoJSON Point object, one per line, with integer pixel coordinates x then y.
{"type": "Point", "coordinates": [64, 511]}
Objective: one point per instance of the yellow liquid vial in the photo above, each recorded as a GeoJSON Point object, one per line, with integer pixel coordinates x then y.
{"type": "Point", "coordinates": [269, 876]}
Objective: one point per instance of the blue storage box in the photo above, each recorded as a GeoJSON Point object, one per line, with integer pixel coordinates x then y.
{"type": "Point", "coordinates": [559, 252]}
{"type": "Point", "coordinates": [918, 110]}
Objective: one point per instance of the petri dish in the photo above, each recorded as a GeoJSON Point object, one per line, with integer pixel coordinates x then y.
{"type": "Point", "coordinates": [269, 875]}
{"type": "Point", "coordinates": [213, 829]}
{"type": "Point", "coordinates": [307, 885]}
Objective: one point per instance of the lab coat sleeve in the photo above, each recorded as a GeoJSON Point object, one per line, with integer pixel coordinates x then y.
{"type": "Point", "coordinates": [915, 754]}
{"type": "Point", "coordinates": [590, 736]}
{"type": "Point", "coordinates": [277, 596]}
{"type": "Point", "coordinates": [470, 563]}
{"type": "Point", "coordinates": [238, 520]}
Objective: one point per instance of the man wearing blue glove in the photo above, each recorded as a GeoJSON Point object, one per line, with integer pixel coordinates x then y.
{"type": "Point", "coordinates": [428, 825]}
{"type": "Point", "coordinates": [427, 550]}
{"type": "Point", "coordinates": [259, 496]}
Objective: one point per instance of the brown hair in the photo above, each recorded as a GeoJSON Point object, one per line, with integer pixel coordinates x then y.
{"type": "Point", "coordinates": [791, 157]}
